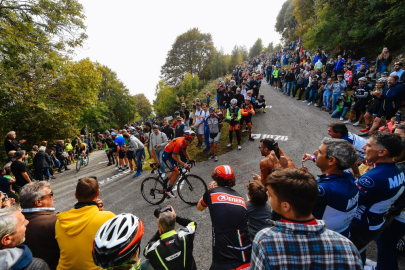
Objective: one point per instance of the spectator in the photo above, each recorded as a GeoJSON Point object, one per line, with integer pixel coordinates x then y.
{"type": "Point", "coordinates": [274, 159]}
{"type": "Point", "coordinates": [383, 60]}
{"type": "Point", "coordinates": [362, 97]}
{"type": "Point", "coordinates": [34, 151]}
{"type": "Point", "coordinates": [375, 103]}
{"type": "Point", "coordinates": [83, 131]}
{"type": "Point", "coordinates": [159, 254]}
{"type": "Point", "coordinates": [70, 150]}
{"type": "Point", "coordinates": [75, 229]}
{"type": "Point", "coordinates": [339, 86]}
{"type": "Point", "coordinates": [180, 128]}
{"type": "Point", "coordinates": [166, 129]}
{"type": "Point", "coordinates": [13, 254]}
{"type": "Point", "coordinates": [41, 164]}
{"type": "Point", "coordinates": [187, 114]}
{"type": "Point", "coordinates": [390, 102]}
{"type": "Point", "coordinates": [61, 155]}
{"type": "Point", "coordinates": [5, 184]}
{"type": "Point", "coordinates": [258, 209]}
{"type": "Point", "coordinates": [158, 141]}
{"type": "Point", "coordinates": [11, 144]}
{"type": "Point", "coordinates": [338, 195]}
{"type": "Point", "coordinates": [399, 72]}
{"type": "Point", "coordinates": [214, 124]}
{"type": "Point", "coordinates": [379, 188]}
{"type": "Point", "coordinates": [208, 96]}
{"type": "Point", "coordinates": [36, 199]}
{"type": "Point", "coordinates": [343, 105]}
{"type": "Point", "coordinates": [339, 65]}
{"type": "Point", "coordinates": [138, 149]}
{"type": "Point", "coordinates": [293, 194]}
{"type": "Point", "coordinates": [231, 246]}
{"type": "Point", "coordinates": [339, 130]}
{"type": "Point", "coordinates": [19, 170]}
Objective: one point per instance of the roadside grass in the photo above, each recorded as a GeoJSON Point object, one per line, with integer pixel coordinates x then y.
{"type": "Point", "coordinates": [199, 155]}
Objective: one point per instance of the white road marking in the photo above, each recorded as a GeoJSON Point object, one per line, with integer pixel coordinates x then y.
{"type": "Point", "coordinates": [103, 162]}
{"type": "Point", "coordinates": [274, 137]}
{"type": "Point", "coordinates": [268, 107]}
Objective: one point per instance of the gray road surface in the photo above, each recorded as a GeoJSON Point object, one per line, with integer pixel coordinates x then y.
{"type": "Point", "coordinates": [297, 127]}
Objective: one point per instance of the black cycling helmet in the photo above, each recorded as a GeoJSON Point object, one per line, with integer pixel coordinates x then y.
{"type": "Point", "coordinates": [261, 96]}
{"type": "Point", "coordinates": [118, 241]}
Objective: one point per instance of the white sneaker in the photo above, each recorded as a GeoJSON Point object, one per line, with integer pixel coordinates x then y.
{"type": "Point", "coordinates": [370, 263]}
{"type": "Point", "coordinates": [356, 124]}
{"type": "Point", "coordinates": [341, 119]}
{"type": "Point", "coordinates": [305, 101]}
{"type": "Point", "coordinates": [316, 105]}
{"type": "Point", "coordinates": [229, 145]}
{"type": "Point", "coordinates": [215, 158]}
{"type": "Point", "coordinates": [118, 168]}
{"type": "Point", "coordinates": [239, 147]}
{"type": "Point", "coordinates": [211, 157]}
{"type": "Point", "coordinates": [309, 103]}
{"type": "Point", "coordinates": [347, 122]}
{"type": "Point", "coordinates": [170, 194]}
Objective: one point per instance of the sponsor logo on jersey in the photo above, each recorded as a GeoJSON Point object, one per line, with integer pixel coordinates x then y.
{"type": "Point", "coordinates": [321, 191]}
{"type": "Point", "coordinates": [397, 180]}
{"type": "Point", "coordinates": [174, 256]}
{"type": "Point", "coordinates": [169, 242]}
{"type": "Point", "coordinates": [353, 201]}
{"type": "Point", "coordinates": [366, 181]}
{"type": "Point", "coordinates": [228, 199]}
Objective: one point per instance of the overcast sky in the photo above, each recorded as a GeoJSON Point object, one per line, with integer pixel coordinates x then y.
{"type": "Point", "coordinates": [133, 37]}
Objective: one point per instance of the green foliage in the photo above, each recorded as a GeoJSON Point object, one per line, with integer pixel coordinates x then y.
{"type": "Point", "coordinates": [236, 58]}
{"type": "Point", "coordinates": [286, 23]}
{"type": "Point", "coordinates": [219, 66]}
{"type": "Point", "coordinates": [278, 47]}
{"type": "Point", "coordinates": [192, 53]}
{"type": "Point", "coordinates": [142, 105]}
{"type": "Point", "coordinates": [270, 47]}
{"type": "Point", "coordinates": [362, 26]}
{"type": "Point", "coordinates": [256, 49]}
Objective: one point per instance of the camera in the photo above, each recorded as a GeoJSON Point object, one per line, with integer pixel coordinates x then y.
{"type": "Point", "coordinates": [160, 210]}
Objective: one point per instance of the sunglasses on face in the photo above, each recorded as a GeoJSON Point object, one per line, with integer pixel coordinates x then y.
{"type": "Point", "coordinates": [51, 194]}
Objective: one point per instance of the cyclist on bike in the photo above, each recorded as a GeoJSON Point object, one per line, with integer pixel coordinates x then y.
{"type": "Point", "coordinates": [171, 158]}
{"type": "Point", "coordinates": [81, 148]}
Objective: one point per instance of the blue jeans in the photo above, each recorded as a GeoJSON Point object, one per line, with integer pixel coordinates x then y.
{"type": "Point", "coordinates": [386, 245]}
{"type": "Point", "coordinates": [41, 172]}
{"type": "Point", "coordinates": [381, 68]}
{"type": "Point", "coordinates": [290, 87]}
{"type": "Point", "coordinates": [326, 99]}
{"type": "Point", "coordinates": [313, 96]}
{"type": "Point", "coordinates": [307, 93]}
{"type": "Point", "coordinates": [159, 154]}
{"type": "Point", "coordinates": [336, 114]}
{"type": "Point", "coordinates": [139, 154]}
{"type": "Point", "coordinates": [334, 99]}
{"type": "Point", "coordinates": [285, 87]}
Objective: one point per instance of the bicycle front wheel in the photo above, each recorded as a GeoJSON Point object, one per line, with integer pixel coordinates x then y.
{"type": "Point", "coordinates": [78, 164]}
{"type": "Point", "coordinates": [153, 191]}
{"type": "Point", "coordinates": [191, 188]}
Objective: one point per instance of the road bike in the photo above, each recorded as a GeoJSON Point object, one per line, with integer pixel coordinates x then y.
{"type": "Point", "coordinates": [190, 187]}
{"type": "Point", "coordinates": [82, 160]}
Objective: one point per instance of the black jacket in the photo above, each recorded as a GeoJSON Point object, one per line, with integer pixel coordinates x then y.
{"type": "Point", "coordinates": [168, 131]}
{"type": "Point", "coordinates": [59, 150]}
{"type": "Point", "coordinates": [41, 160]}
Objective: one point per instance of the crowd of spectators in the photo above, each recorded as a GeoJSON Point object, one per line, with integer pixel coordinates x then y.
{"type": "Point", "coordinates": [323, 223]}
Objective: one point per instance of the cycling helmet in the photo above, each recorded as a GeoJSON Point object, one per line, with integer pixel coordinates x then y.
{"type": "Point", "coordinates": [189, 134]}
{"type": "Point", "coordinates": [212, 109]}
{"type": "Point", "coordinates": [234, 101]}
{"type": "Point", "coordinates": [248, 98]}
{"type": "Point", "coordinates": [176, 113]}
{"type": "Point", "coordinates": [261, 96]}
{"type": "Point", "coordinates": [224, 171]}
{"type": "Point", "coordinates": [118, 241]}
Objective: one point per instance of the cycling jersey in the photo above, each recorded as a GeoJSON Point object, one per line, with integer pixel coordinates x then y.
{"type": "Point", "coordinates": [173, 250]}
{"type": "Point", "coordinates": [120, 141]}
{"type": "Point", "coordinates": [213, 124]}
{"type": "Point", "coordinates": [337, 201]}
{"type": "Point", "coordinates": [358, 142]}
{"type": "Point", "coordinates": [230, 236]}
{"type": "Point", "coordinates": [175, 145]}
{"type": "Point", "coordinates": [379, 189]}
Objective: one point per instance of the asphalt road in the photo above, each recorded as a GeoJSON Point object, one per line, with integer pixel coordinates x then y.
{"type": "Point", "coordinates": [297, 127]}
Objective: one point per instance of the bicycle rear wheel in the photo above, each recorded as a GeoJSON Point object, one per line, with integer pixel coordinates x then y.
{"type": "Point", "coordinates": [153, 191]}
{"type": "Point", "coordinates": [78, 164]}
{"type": "Point", "coordinates": [86, 162]}
{"type": "Point", "coordinates": [191, 188]}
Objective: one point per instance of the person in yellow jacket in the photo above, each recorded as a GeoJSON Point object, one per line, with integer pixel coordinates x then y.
{"type": "Point", "coordinates": [275, 76]}
{"type": "Point", "coordinates": [75, 229]}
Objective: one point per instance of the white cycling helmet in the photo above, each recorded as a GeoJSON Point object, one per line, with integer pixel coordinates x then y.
{"type": "Point", "coordinates": [234, 101]}
{"type": "Point", "coordinates": [248, 98]}
{"type": "Point", "coordinates": [118, 241]}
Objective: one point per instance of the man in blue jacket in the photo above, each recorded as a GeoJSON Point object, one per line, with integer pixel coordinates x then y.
{"type": "Point", "coordinates": [391, 98]}
{"type": "Point", "coordinates": [339, 66]}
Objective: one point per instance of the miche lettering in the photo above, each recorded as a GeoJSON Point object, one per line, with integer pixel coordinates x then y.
{"type": "Point", "coordinates": [352, 201]}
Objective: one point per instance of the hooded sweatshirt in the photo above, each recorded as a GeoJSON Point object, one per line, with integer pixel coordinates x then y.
{"type": "Point", "coordinates": [20, 257]}
{"type": "Point", "coordinates": [75, 231]}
